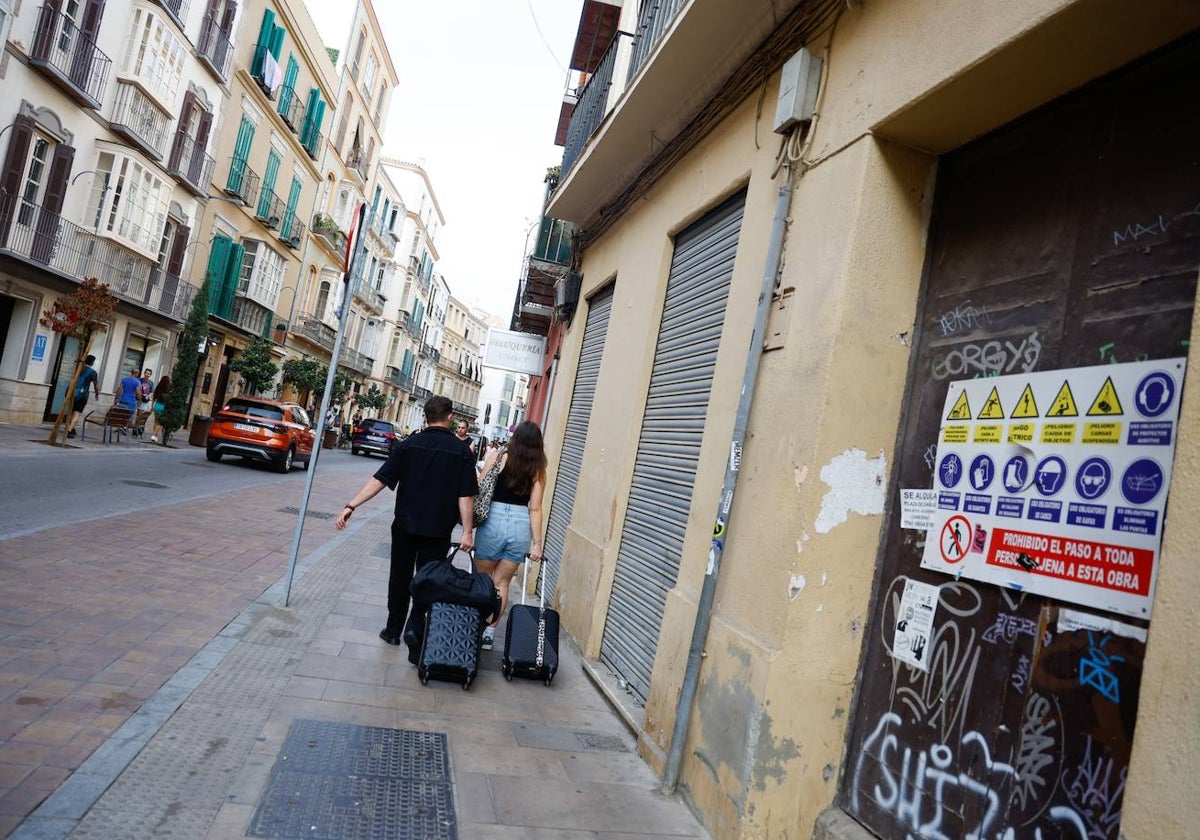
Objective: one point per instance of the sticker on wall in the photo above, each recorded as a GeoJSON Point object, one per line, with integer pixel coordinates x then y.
{"type": "Point", "coordinates": [917, 508]}
{"type": "Point", "coordinates": [1060, 506]}
{"type": "Point", "coordinates": [914, 625]}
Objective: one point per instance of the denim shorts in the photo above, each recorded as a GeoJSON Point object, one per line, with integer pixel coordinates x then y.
{"type": "Point", "coordinates": [505, 534]}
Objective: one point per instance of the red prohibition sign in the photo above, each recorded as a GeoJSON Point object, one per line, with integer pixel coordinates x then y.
{"type": "Point", "coordinates": [955, 537]}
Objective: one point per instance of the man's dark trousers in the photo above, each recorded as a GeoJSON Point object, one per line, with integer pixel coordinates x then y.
{"type": "Point", "coordinates": [408, 552]}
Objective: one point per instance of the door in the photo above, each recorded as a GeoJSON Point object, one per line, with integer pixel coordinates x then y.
{"type": "Point", "coordinates": [1069, 239]}
{"type": "Point", "coordinates": [64, 369]}
{"type": "Point", "coordinates": [668, 452]}
{"type": "Point", "coordinates": [579, 415]}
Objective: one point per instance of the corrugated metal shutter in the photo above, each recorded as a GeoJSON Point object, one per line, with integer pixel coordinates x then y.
{"type": "Point", "coordinates": [578, 417]}
{"type": "Point", "coordinates": [660, 497]}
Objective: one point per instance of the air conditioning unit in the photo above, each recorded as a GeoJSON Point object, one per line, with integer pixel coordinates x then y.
{"type": "Point", "coordinates": [566, 294]}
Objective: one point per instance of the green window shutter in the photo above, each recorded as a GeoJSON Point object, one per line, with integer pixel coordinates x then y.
{"type": "Point", "coordinates": [241, 154]}
{"type": "Point", "coordinates": [287, 93]}
{"type": "Point", "coordinates": [408, 363]}
{"type": "Point", "coordinates": [265, 31]}
{"type": "Point", "coordinates": [290, 213]}
{"type": "Point", "coordinates": [217, 258]}
{"type": "Point", "coordinates": [277, 41]}
{"type": "Point", "coordinates": [268, 184]}
{"type": "Point", "coordinates": [310, 113]}
{"type": "Point", "coordinates": [233, 270]}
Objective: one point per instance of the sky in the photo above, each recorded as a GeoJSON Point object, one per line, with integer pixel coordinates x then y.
{"type": "Point", "coordinates": [478, 102]}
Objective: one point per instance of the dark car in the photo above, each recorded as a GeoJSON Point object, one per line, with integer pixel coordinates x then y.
{"type": "Point", "coordinates": [279, 433]}
{"type": "Point", "coordinates": [372, 435]}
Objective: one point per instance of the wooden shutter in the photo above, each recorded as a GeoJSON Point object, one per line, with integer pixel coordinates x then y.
{"type": "Point", "coordinates": [228, 17]}
{"type": "Point", "coordinates": [189, 102]}
{"type": "Point", "coordinates": [56, 190]}
{"type": "Point", "coordinates": [175, 255]}
{"type": "Point", "coordinates": [10, 175]}
{"type": "Point", "coordinates": [92, 13]}
{"type": "Point", "coordinates": [196, 164]}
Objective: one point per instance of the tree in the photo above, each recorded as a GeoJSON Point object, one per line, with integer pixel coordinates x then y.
{"type": "Point", "coordinates": [309, 376]}
{"type": "Point", "coordinates": [187, 362]}
{"type": "Point", "coordinates": [373, 399]}
{"type": "Point", "coordinates": [257, 366]}
{"type": "Point", "coordinates": [79, 315]}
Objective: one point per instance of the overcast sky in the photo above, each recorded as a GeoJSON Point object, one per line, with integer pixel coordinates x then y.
{"type": "Point", "coordinates": [478, 102]}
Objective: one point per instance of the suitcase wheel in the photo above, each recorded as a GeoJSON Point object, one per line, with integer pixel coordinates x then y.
{"type": "Point", "coordinates": [548, 679]}
{"type": "Point", "coordinates": [466, 683]}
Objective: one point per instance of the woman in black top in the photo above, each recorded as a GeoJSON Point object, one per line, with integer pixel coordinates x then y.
{"type": "Point", "coordinates": [513, 527]}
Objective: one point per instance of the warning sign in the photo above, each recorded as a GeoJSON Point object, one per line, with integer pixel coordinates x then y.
{"type": "Point", "coordinates": [1026, 407]}
{"type": "Point", "coordinates": [1107, 403]}
{"type": "Point", "coordinates": [961, 410]}
{"type": "Point", "coordinates": [991, 408]}
{"type": "Point", "coordinates": [1051, 503]}
{"type": "Point", "coordinates": [1064, 403]}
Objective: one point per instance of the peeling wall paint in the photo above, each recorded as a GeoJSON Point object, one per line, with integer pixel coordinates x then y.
{"type": "Point", "coordinates": [796, 586]}
{"type": "Point", "coordinates": [856, 483]}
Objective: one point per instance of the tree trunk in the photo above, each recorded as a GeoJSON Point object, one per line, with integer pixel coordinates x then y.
{"type": "Point", "coordinates": [69, 397]}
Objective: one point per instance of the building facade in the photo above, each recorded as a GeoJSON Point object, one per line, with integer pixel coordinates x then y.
{"type": "Point", "coordinates": [460, 374]}
{"type": "Point", "coordinates": [969, 190]}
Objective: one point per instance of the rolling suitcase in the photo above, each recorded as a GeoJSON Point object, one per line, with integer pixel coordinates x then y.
{"type": "Point", "coordinates": [531, 639]}
{"type": "Point", "coordinates": [450, 647]}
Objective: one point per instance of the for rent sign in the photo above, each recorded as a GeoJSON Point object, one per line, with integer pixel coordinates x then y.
{"type": "Point", "coordinates": [1056, 482]}
{"type": "Point", "coordinates": [514, 351]}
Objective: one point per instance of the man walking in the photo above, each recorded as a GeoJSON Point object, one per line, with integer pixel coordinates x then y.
{"type": "Point", "coordinates": [87, 379]}
{"type": "Point", "coordinates": [433, 475]}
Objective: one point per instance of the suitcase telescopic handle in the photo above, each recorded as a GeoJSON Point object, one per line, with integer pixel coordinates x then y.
{"type": "Point", "coordinates": [525, 583]}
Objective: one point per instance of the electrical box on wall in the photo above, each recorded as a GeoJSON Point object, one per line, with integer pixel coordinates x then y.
{"type": "Point", "coordinates": [798, 86]}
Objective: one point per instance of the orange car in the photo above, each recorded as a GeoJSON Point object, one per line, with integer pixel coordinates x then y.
{"type": "Point", "coordinates": [264, 430]}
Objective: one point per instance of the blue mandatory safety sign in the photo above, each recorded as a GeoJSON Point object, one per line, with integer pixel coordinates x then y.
{"type": "Point", "coordinates": [1142, 481]}
{"type": "Point", "coordinates": [1016, 474]}
{"type": "Point", "coordinates": [1050, 476]}
{"type": "Point", "coordinates": [983, 470]}
{"type": "Point", "coordinates": [1155, 393]}
{"type": "Point", "coordinates": [950, 470]}
{"type": "Point", "coordinates": [1093, 478]}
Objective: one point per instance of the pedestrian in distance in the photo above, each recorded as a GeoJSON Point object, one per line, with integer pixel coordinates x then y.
{"type": "Point", "coordinates": [513, 526]}
{"type": "Point", "coordinates": [434, 479]}
{"type": "Point", "coordinates": [159, 403]}
{"type": "Point", "coordinates": [145, 396]}
{"type": "Point", "coordinates": [88, 378]}
{"type": "Point", "coordinates": [127, 389]}
{"type": "Point", "coordinates": [462, 435]}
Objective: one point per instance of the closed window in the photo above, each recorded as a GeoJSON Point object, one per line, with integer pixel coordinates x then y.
{"type": "Point", "coordinates": [262, 273]}
{"type": "Point", "coordinates": [129, 201]}
{"type": "Point", "coordinates": [155, 56]}
{"type": "Point", "coordinates": [33, 188]}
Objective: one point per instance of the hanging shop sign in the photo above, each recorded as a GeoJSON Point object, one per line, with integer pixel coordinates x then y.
{"type": "Point", "coordinates": [1056, 482]}
{"type": "Point", "coordinates": [515, 351]}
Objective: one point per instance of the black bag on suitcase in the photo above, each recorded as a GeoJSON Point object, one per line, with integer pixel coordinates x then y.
{"type": "Point", "coordinates": [531, 639]}
{"type": "Point", "coordinates": [450, 647]}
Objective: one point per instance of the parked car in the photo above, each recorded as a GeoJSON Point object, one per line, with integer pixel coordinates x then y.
{"type": "Point", "coordinates": [372, 435]}
{"type": "Point", "coordinates": [279, 433]}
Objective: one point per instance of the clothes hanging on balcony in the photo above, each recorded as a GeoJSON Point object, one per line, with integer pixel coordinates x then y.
{"type": "Point", "coordinates": [272, 73]}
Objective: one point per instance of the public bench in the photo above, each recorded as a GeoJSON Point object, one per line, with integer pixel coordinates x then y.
{"type": "Point", "coordinates": [112, 421]}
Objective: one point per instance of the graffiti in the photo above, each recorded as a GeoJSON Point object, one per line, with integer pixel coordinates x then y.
{"type": "Point", "coordinates": [1108, 354]}
{"type": "Point", "coordinates": [963, 317]}
{"type": "Point", "coordinates": [1021, 676]}
{"type": "Point", "coordinates": [1096, 793]}
{"type": "Point", "coordinates": [991, 358]}
{"type": "Point", "coordinates": [930, 456]}
{"type": "Point", "coordinates": [1094, 668]}
{"type": "Point", "coordinates": [923, 789]}
{"type": "Point", "coordinates": [1008, 628]}
{"type": "Point", "coordinates": [1157, 227]}
{"type": "Point", "coordinates": [1037, 752]}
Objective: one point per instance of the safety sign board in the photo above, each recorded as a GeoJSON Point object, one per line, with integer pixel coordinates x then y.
{"type": "Point", "coordinates": [1057, 483]}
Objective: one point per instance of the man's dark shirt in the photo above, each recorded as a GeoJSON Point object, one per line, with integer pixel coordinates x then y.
{"type": "Point", "coordinates": [429, 471]}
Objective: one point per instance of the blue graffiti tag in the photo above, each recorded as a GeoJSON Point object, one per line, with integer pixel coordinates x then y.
{"type": "Point", "coordinates": [1094, 668]}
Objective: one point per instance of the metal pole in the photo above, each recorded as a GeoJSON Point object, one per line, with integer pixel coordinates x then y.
{"type": "Point", "coordinates": [352, 254]}
{"type": "Point", "coordinates": [691, 676]}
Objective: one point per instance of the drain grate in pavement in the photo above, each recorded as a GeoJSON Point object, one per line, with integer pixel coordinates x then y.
{"type": "Point", "coordinates": [601, 742]}
{"type": "Point", "coordinates": [315, 514]}
{"type": "Point", "coordinates": [337, 781]}
{"type": "Point", "coordinates": [151, 484]}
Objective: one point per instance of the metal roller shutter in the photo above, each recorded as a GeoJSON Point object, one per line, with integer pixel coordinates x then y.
{"type": "Point", "coordinates": [660, 496]}
{"type": "Point", "coordinates": [578, 416]}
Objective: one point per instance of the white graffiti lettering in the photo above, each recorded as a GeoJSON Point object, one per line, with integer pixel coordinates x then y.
{"type": "Point", "coordinates": [991, 358]}
{"type": "Point", "coordinates": [963, 317]}
{"type": "Point", "coordinates": [1096, 793]}
{"type": "Point", "coordinates": [1036, 752]}
{"type": "Point", "coordinates": [1008, 628]}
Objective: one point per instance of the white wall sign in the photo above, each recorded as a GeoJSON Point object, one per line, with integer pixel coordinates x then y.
{"type": "Point", "coordinates": [917, 508]}
{"type": "Point", "coordinates": [515, 351]}
{"type": "Point", "coordinates": [1056, 482]}
{"type": "Point", "coordinates": [914, 624]}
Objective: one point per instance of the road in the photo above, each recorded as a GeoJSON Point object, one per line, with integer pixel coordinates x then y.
{"type": "Point", "coordinates": [47, 488]}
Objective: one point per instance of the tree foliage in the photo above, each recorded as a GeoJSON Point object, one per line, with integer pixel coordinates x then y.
{"type": "Point", "coordinates": [373, 399]}
{"type": "Point", "coordinates": [187, 362]}
{"type": "Point", "coordinates": [309, 375]}
{"type": "Point", "coordinates": [257, 366]}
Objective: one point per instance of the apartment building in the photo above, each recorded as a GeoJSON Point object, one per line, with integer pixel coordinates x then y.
{"type": "Point", "coordinates": [110, 119]}
{"type": "Point", "coordinates": [460, 373]}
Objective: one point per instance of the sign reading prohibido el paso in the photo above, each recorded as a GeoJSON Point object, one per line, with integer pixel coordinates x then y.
{"type": "Point", "coordinates": [514, 351]}
{"type": "Point", "coordinates": [1056, 482]}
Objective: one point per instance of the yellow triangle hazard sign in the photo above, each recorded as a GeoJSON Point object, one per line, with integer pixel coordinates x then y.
{"type": "Point", "coordinates": [1107, 403]}
{"type": "Point", "coordinates": [992, 410]}
{"type": "Point", "coordinates": [961, 410]}
{"type": "Point", "coordinates": [1064, 403]}
{"type": "Point", "coordinates": [1026, 406]}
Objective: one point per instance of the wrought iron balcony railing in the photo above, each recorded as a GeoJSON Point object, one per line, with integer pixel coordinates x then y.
{"type": "Point", "coordinates": [177, 9]}
{"type": "Point", "coordinates": [655, 18]}
{"type": "Point", "coordinates": [369, 295]}
{"type": "Point", "coordinates": [316, 331]}
{"type": "Point", "coordinates": [189, 165]}
{"type": "Point", "coordinates": [421, 393]}
{"type": "Point", "coordinates": [214, 49]}
{"type": "Point", "coordinates": [292, 231]}
{"type": "Point", "coordinates": [291, 109]}
{"type": "Point", "coordinates": [251, 316]}
{"type": "Point", "coordinates": [69, 57]}
{"type": "Point", "coordinates": [428, 352]}
{"type": "Point", "coordinates": [467, 412]}
{"type": "Point", "coordinates": [356, 361]}
{"type": "Point", "coordinates": [242, 181]}
{"type": "Point", "coordinates": [269, 209]}
{"type": "Point", "coordinates": [592, 105]}
{"type": "Point", "coordinates": [140, 121]}
{"type": "Point", "coordinates": [325, 227]}
{"type": "Point", "coordinates": [49, 242]}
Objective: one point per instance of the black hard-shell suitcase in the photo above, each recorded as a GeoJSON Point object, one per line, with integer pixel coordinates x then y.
{"type": "Point", "coordinates": [450, 647]}
{"type": "Point", "coordinates": [531, 639]}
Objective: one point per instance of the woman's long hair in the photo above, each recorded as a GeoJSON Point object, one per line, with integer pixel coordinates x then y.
{"type": "Point", "coordinates": [526, 462]}
{"type": "Point", "coordinates": [160, 390]}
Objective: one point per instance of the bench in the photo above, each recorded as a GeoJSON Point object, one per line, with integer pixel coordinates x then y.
{"type": "Point", "coordinates": [139, 422]}
{"type": "Point", "coordinates": [112, 420]}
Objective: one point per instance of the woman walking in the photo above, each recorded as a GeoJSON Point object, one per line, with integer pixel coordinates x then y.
{"type": "Point", "coordinates": [514, 523]}
{"type": "Point", "coordinates": [160, 404]}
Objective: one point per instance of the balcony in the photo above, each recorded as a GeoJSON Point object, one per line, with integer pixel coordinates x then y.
{"type": "Point", "coordinates": [292, 109]}
{"type": "Point", "coordinates": [592, 106]}
{"type": "Point", "coordinates": [421, 393]}
{"type": "Point", "coordinates": [189, 165]}
{"type": "Point", "coordinates": [316, 331]}
{"type": "Point", "coordinates": [429, 352]}
{"type": "Point", "coordinates": [137, 119]}
{"type": "Point", "coordinates": [464, 411]}
{"type": "Point", "coordinates": [251, 317]}
{"type": "Point", "coordinates": [654, 20]}
{"type": "Point", "coordinates": [214, 49]}
{"type": "Point", "coordinates": [270, 209]}
{"type": "Point", "coordinates": [177, 9]}
{"type": "Point", "coordinates": [328, 231]}
{"type": "Point", "coordinates": [50, 242]}
{"type": "Point", "coordinates": [266, 72]}
{"type": "Point", "coordinates": [242, 182]}
{"type": "Point", "coordinates": [533, 308]}
{"type": "Point", "coordinates": [69, 58]}
{"type": "Point", "coordinates": [370, 296]}
{"type": "Point", "coordinates": [553, 242]}
{"type": "Point", "coordinates": [292, 231]}
{"type": "Point", "coordinates": [402, 380]}
{"type": "Point", "coordinates": [356, 361]}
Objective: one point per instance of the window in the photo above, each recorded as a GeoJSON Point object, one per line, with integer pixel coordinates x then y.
{"type": "Point", "coordinates": [322, 306]}
{"type": "Point", "coordinates": [155, 56]}
{"type": "Point", "coordinates": [510, 385]}
{"type": "Point", "coordinates": [368, 80]}
{"type": "Point", "coordinates": [34, 187]}
{"type": "Point", "coordinates": [379, 104]}
{"type": "Point", "coordinates": [262, 273]}
{"type": "Point", "coordinates": [502, 415]}
{"type": "Point", "coordinates": [6, 17]}
{"type": "Point", "coordinates": [129, 201]}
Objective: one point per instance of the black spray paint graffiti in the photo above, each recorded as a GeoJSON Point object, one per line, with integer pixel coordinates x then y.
{"type": "Point", "coordinates": [989, 358]}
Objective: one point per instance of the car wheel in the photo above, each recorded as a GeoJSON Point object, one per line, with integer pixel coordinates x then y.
{"type": "Point", "coordinates": [354, 450]}
{"type": "Point", "coordinates": [212, 454]}
{"type": "Point", "coordinates": [285, 465]}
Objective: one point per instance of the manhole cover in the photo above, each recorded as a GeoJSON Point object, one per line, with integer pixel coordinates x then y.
{"type": "Point", "coordinates": [334, 781]}
{"type": "Point", "coordinates": [315, 514]}
{"type": "Point", "coordinates": [151, 484]}
{"type": "Point", "coordinates": [601, 742]}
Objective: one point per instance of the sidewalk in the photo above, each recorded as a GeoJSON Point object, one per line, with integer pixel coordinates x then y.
{"type": "Point", "coordinates": [299, 722]}
{"type": "Point", "coordinates": [17, 438]}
